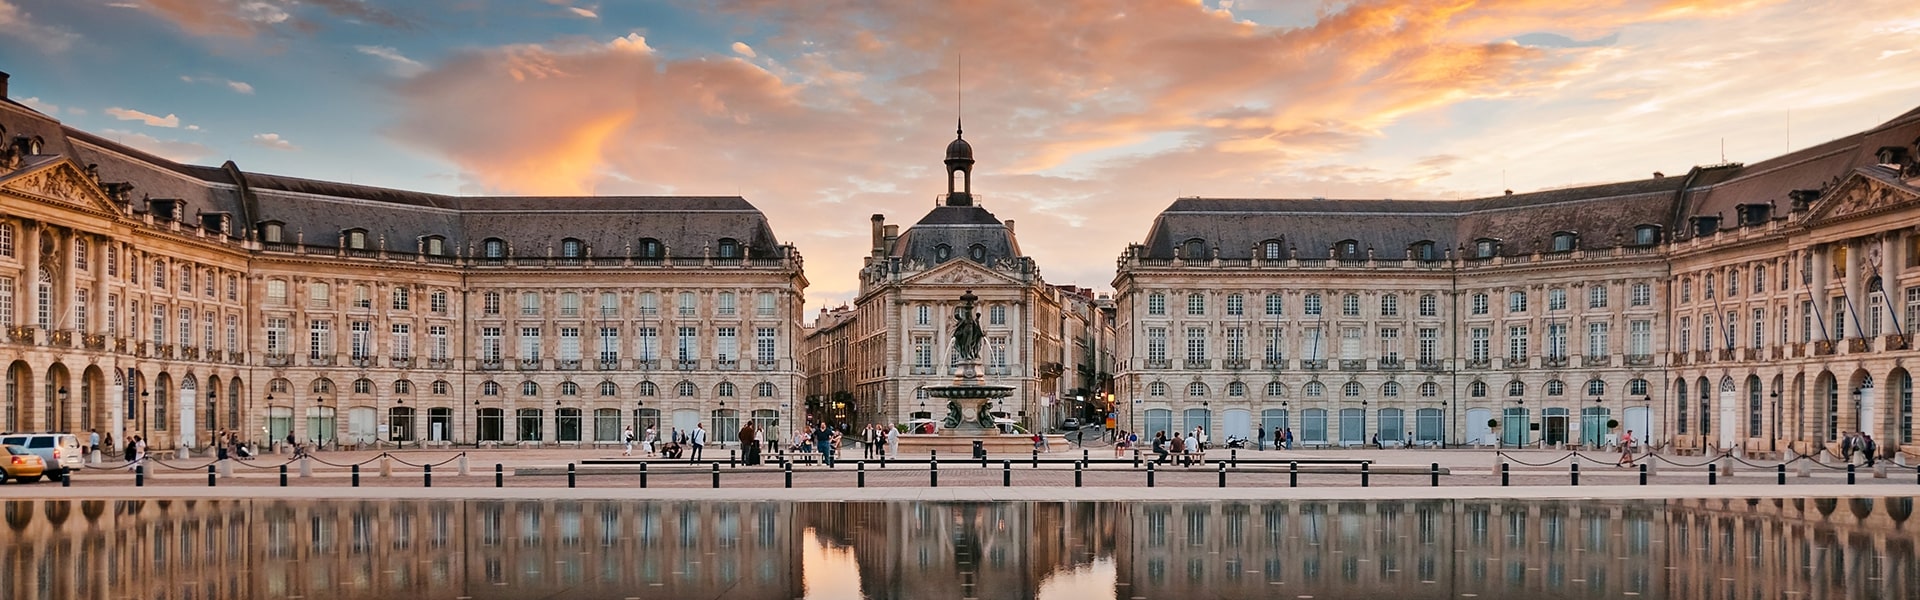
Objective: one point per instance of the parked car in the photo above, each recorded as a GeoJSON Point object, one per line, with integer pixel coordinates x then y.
{"type": "Point", "coordinates": [60, 451]}
{"type": "Point", "coordinates": [19, 463]}
{"type": "Point", "coordinates": [1071, 424]}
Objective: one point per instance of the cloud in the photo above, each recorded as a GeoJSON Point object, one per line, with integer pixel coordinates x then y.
{"type": "Point", "coordinates": [241, 87]}
{"type": "Point", "coordinates": [174, 150]}
{"type": "Point", "coordinates": [15, 22]}
{"type": "Point", "coordinates": [249, 18]}
{"type": "Point", "coordinates": [397, 62]}
{"type": "Point", "coordinates": [127, 114]}
{"type": "Point", "coordinates": [583, 12]}
{"type": "Point", "coordinates": [1087, 116]}
{"type": "Point", "coordinates": [35, 103]}
{"type": "Point", "coordinates": [274, 141]}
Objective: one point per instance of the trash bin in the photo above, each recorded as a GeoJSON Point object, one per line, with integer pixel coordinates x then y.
{"type": "Point", "coordinates": [979, 449]}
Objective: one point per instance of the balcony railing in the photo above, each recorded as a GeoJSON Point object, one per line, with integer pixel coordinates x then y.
{"type": "Point", "coordinates": [765, 365]}
{"type": "Point", "coordinates": [567, 364]}
{"type": "Point", "coordinates": [1198, 363]}
{"type": "Point", "coordinates": [608, 364]}
{"type": "Point", "coordinates": [491, 364]}
{"type": "Point", "coordinates": [1389, 363]}
{"type": "Point", "coordinates": [727, 364]}
{"type": "Point", "coordinates": [1700, 356]}
{"type": "Point", "coordinates": [1357, 364]}
{"type": "Point", "coordinates": [1314, 365]}
{"type": "Point", "coordinates": [1897, 341]}
{"type": "Point", "coordinates": [1236, 364]}
{"type": "Point", "coordinates": [686, 364]}
{"type": "Point", "coordinates": [1823, 347]}
{"type": "Point", "coordinates": [647, 364]}
{"type": "Point", "coordinates": [1639, 360]}
{"type": "Point", "coordinates": [1858, 345]}
{"type": "Point", "coordinates": [1159, 363]}
{"type": "Point", "coordinates": [1430, 365]}
{"type": "Point", "coordinates": [1553, 362]}
{"type": "Point", "coordinates": [1479, 363]}
{"type": "Point", "coordinates": [1726, 354]}
{"type": "Point", "coordinates": [920, 370]}
{"type": "Point", "coordinates": [439, 363]}
{"type": "Point", "coordinates": [235, 357]}
{"type": "Point", "coordinates": [1605, 360]}
{"type": "Point", "coordinates": [529, 364]}
{"type": "Point", "coordinates": [279, 360]}
{"type": "Point", "coordinates": [1273, 364]}
{"type": "Point", "coordinates": [94, 342]}
{"type": "Point", "coordinates": [400, 362]}
{"type": "Point", "coordinates": [1513, 363]}
{"type": "Point", "coordinates": [320, 361]}
{"type": "Point", "coordinates": [360, 361]}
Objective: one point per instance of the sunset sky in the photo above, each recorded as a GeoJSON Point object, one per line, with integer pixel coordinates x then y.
{"type": "Point", "coordinates": [1087, 116]}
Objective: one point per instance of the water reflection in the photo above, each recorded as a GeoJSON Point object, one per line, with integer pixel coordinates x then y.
{"type": "Point", "coordinates": [347, 550]}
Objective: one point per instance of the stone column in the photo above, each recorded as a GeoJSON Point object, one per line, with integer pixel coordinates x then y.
{"type": "Point", "coordinates": [1822, 273]}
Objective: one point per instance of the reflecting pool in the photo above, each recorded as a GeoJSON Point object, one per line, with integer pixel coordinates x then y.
{"type": "Point", "coordinates": [511, 549]}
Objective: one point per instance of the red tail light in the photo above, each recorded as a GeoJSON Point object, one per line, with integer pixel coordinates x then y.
{"type": "Point", "coordinates": [56, 454]}
{"type": "Point", "coordinates": [18, 460]}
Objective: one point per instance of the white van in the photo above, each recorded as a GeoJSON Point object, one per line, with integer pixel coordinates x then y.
{"type": "Point", "coordinates": [60, 450]}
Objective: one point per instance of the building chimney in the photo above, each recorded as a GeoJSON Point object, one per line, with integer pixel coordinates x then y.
{"type": "Point", "coordinates": [1009, 225]}
{"type": "Point", "coordinates": [879, 226]}
{"type": "Point", "coordinates": [3, 84]}
{"type": "Point", "coordinates": [892, 233]}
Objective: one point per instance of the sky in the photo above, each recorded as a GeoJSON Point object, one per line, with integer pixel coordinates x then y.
{"type": "Point", "coordinates": [1087, 117]}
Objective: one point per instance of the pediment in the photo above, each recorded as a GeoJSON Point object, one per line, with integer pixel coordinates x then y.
{"type": "Point", "coordinates": [58, 181]}
{"type": "Point", "coordinates": [1863, 192]}
{"type": "Point", "coordinates": [960, 273]}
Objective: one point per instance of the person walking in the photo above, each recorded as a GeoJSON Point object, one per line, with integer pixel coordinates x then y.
{"type": "Point", "coordinates": [1626, 450]}
{"type": "Point", "coordinates": [1868, 448]}
{"type": "Point", "coordinates": [866, 445]}
{"type": "Point", "coordinates": [699, 441]}
{"type": "Point", "coordinates": [823, 442]}
{"type": "Point", "coordinates": [1259, 438]}
{"type": "Point", "coordinates": [1289, 433]}
{"type": "Point", "coordinates": [650, 440]}
{"type": "Point", "coordinates": [626, 437]}
{"type": "Point", "coordinates": [893, 441]}
{"type": "Point", "coordinates": [749, 445]}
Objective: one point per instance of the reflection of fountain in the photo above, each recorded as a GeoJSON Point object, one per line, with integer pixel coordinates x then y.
{"type": "Point", "coordinates": [969, 399]}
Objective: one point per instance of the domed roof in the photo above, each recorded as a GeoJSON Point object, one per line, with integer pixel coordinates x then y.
{"type": "Point", "coordinates": [959, 149]}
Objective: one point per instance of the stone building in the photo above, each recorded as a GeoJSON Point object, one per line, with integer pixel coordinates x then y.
{"type": "Point", "coordinates": [140, 295]}
{"type": "Point", "coordinates": [1676, 307]}
{"type": "Point", "coordinates": [876, 356]}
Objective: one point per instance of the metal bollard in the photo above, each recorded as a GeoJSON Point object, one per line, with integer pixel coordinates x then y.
{"type": "Point", "coordinates": [1085, 454]}
{"type": "Point", "coordinates": [1136, 459]}
{"type": "Point", "coordinates": [140, 476]}
{"type": "Point", "coordinates": [1223, 474]}
{"type": "Point", "coordinates": [499, 475]}
{"type": "Point", "coordinates": [861, 469]}
{"type": "Point", "coordinates": [1293, 473]}
{"type": "Point", "coordinates": [1149, 474]}
{"type": "Point", "coordinates": [1364, 474]}
{"type": "Point", "coordinates": [1506, 474]}
{"type": "Point", "coordinates": [1036, 459]}
{"type": "Point", "coordinates": [66, 478]}
{"type": "Point", "coordinates": [211, 475]}
{"type": "Point", "coordinates": [1780, 473]}
{"type": "Point", "coordinates": [356, 476]}
{"type": "Point", "coordinates": [933, 473]}
{"type": "Point", "coordinates": [427, 473]}
{"type": "Point", "coordinates": [1435, 473]}
{"type": "Point", "coordinates": [716, 474]}
{"type": "Point", "coordinates": [1574, 470]}
{"type": "Point", "coordinates": [1643, 473]}
{"type": "Point", "coordinates": [1077, 468]}
{"type": "Point", "coordinates": [570, 475]}
{"type": "Point", "coordinates": [788, 468]}
{"type": "Point", "coordinates": [283, 476]}
{"type": "Point", "coordinates": [1006, 473]}
{"type": "Point", "coordinates": [1233, 456]}
{"type": "Point", "coordinates": [643, 474]}
{"type": "Point", "coordinates": [733, 460]}
{"type": "Point", "coordinates": [1849, 473]}
{"type": "Point", "coordinates": [1713, 474]}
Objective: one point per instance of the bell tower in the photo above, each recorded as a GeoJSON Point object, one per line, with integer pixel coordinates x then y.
{"type": "Point", "coordinates": [959, 169]}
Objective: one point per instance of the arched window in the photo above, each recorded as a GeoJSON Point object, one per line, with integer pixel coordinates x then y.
{"type": "Point", "coordinates": [686, 389]}
{"type": "Point", "coordinates": [1390, 389]}
{"type": "Point", "coordinates": [977, 252]}
{"type": "Point", "coordinates": [1477, 389]}
{"type": "Point", "coordinates": [322, 386]}
{"type": "Point", "coordinates": [1564, 241]}
{"type": "Point", "coordinates": [1276, 389]}
{"type": "Point", "coordinates": [493, 248]}
{"type": "Point", "coordinates": [1157, 389]}
{"type": "Point", "coordinates": [529, 388]}
{"type": "Point", "coordinates": [1270, 250]}
{"type": "Point", "coordinates": [356, 239]}
{"type": "Point", "coordinates": [441, 388]}
{"type": "Point", "coordinates": [724, 390]}
{"type": "Point", "coordinates": [276, 386]}
{"type": "Point", "coordinates": [568, 388]}
{"type": "Point", "coordinates": [608, 388]}
{"type": "Point", "coordinates": [1351, 390]}
{"type": "Point", "coordinates": [1556, 388]}
{"type": "Point", "coordinates": [434, 245]}
{"type": "Point", "coordinates": [1516, 389]}
{"type": "Point", "coordinates": [765, 390]}
{"type": "Point", "coordinates": [490, 389]}
{"type": "Point", "coordinates": [650, 248]}
{"type": "Point", "coordinates": [1637, 387]}
{"type": "Point", "coordinates": [942, 252]}
{"type": "Point", "coordinates": [1347, 250]}
{"type": "Point", "coordinates": [1315, 389]}
{"type": "Point", "coordinates": [1196, 390]}
{"type": "Point", "coordinates": [1236, 389]}
{"type": "Point", "coordinates": [572, 248]}
{"type": "Point", "coordinates": [402, 387]}
{"type": "Point", "coordinates": [272, 232]}
{"type": "Point", "coordinates": [1596, 387]}
{"type": "Point", "coordinates": [728, 248]}
{"type": "Point", "coordinates": [648, 389]}
{"type": "Point", "coordinates": [1429, 390]}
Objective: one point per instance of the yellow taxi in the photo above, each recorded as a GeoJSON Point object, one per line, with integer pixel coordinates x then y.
{"type": "Point", "coordinates": [19, 463]}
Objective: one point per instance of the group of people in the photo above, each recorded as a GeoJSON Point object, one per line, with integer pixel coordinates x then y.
{"type": "Point", "coordinates": [227, 445]}
{"type": "Point", "coordinates": [690, 444]}
{"type": "Point", "coordinates": [880, 440]}
{"type": "Point", "coordinates": [1860, 442]}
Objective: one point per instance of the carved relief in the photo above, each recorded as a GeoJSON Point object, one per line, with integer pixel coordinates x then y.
{"type": "Point", "coordinates": [1863, 195]}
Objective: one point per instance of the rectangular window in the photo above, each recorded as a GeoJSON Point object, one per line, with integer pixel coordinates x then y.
{"type": "Point", "coordinates": [997, 314]}
{"type": "Point", "coordinates": [6, 301]}
{"type": "Point", "coordinates": [1732, 329]}
{"type": "Point", "coordinates": [80, 310]}
{"type": "Point", "coordinates": [529, 343]}
{"type": "Point", "coordinates": [569, 343]}
{"type": "Point", "coordinates": [1350, 343]}
{"type": "Point", "coordinates": [185, 322]}
{"type": "Point", "coordinates": [276, 336]}
{"type": "Point", "coordinates": [687, 304]}
{"type": "Point", "coordinates": [923, 351]}
{"type": "Point", "coordinates": [1311, 305]}
{"type": "Point", "coordinates": [490, 303]}
{"type": "Point", "coordinates": [319, 338]}
{"type": "Point", "coordinates": [1557, 340]}
{"type": "Point", "coordinates": [1557, 299]}
{"type": "Point", "coordinates": [1314, 343]}
{"type": "Point", "coordinates": [319, 295]}
{"type": "Point", "coordinates": [1642, 295]}
{"type": "Point", "coordinates": [113, 313]}
{"type": "Point", "coordinates": [1350, 305]}
{"type": "Point", "coordinates": [763, 344]}
{"type": "Point", "coordinates": [1236, 305]}
{"type": "Point", "coordinates": [1157, 344]}
{"type": "Point", "coordinates": [1196, 343]}
{"type": "Point", "coordinates": [765, 307]}
{"type": "Point", "coordinates": [1429, 305]}
{"type": "Point", "coordinates": [1276, 344]}
{"type": "Point", "coordinates": [529, 304]}
{"type": "Point", "coordinates": [687, 344]}
{"type": "Point", "coordinates": [437, 302]}
{"type": "Point", "coordinates": [1390, 343]}
{"type": "Point", "coordinates": [360, 337]}
{"type": "Point", "coordinates": [402, 298]}
{"type": "Point", "coordinates": [1640, 337]}
{"type": "Point", "coordinates": [1156, 304]}
{"type": "Point", "coordinates": [1597, 296]}
{"type": "Point", "coordinates": [437, 336]}
{"type": "Point", "coordinates": [649, 304]}
{"type": "Point", "coordinates": [233, 288]}
{"type": "Point", "coordinates": [997, 352]}
{"type": "Point", "coordinates": [1759, 328]}
{"type": "Point", "coordinates": [727, 346]}
{"type": "Point", "coordinates": [1479, 340]}
{"type": "Point", "coordinates": [1196, 305]}
{"type": "Point", "coordinates": [922, 315]}
{"type": "Point", "coordinates": [1429, 344]}
{"type": "Point", "coordinates": [113, 259]}
{"type": "Point", "coordinates": [1597, 344]}
{"type": "Point", "coordinates": [1517, 343]}
{"type": "Point", "coordinates": [1479, 304]}
{"type": "Point", "coordinates": [1806, 321]}
{"type": "Point", "coordinates": [490, 343]}
{"type": "Point", "coordinates": [1876, 302]}
{"type": "Point", "coordinates": [649, 338]}
{"type": "Point", "coordinates": [1276, 305]}
{"type": "Point", "coordinates": [569, 304]}
{"type": "Point", "coordinates": [1390, 305]}
{"type": "Point", "coordinates": [609, 344]}
{"type": "Point", "coordinates": [207, 330]}
{"type": "Point", "coordinates": [402, 340]}
{"type": "Point", "coordinates": [1516, 302]}
{"type": "Point", "coordinates": [362, 297]}
{"type": "Point", "coordinates": [1685, 342]}
{"type": "Point", "coordinates": [1913, 308]}
{"type": "Point", "coordinates": [609, 305]}
{"type": "Point", "coordinates": [1236, 343]}
{"type": "Point", "coordinates": [1839, 318]}
{"type": "Point", "coordinates": [159, 330]}
{"type": "Point", "coordinates": [725, 305]}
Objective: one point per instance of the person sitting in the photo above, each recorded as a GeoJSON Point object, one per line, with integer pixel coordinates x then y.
{"type": "Point", "coordinates": [671, 450]}
{"type": "Point", "coordinates": [1160, 444]}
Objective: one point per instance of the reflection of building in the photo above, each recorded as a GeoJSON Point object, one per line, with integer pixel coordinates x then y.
{"type": "Point", "coordinates": [877, 355]}
{"type": "Point", "coordinates": [139, 295]}
{"type": "Point", "coordinates": [1677, 306]}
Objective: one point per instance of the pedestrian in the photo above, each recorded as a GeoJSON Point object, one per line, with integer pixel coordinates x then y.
{"type": "Point", "coordinates": [93, 440]}
{"type": "Point", "coordinates": [1178, 446]}
{"type": "Point", "coordinates": [893, 441]}
{"type": "Point", "coordinates": [128, 454]}
{"type": "Point", "coordinates": [139, 448]}
{"type": "Point", "coordinates": [1160, 447]}
{"type": "Point", "coordinates": [749, 445]}
{"type": "Point", "coordinates": [1868, 448]}
{"type": "Point", "coordinates": [1259, 438]}
{"type": "Point", "coordinates": [823, 442]}
{"type": "Point", "coordinates": [699, 440]}
{"type": "Point", "coordinates": [626, 437]}
{"type": "Point", "coordinates": [220, 445]}
{"type": "Point", "coordinates": [1289, 433]}
{"type": "Point", "coordinates": [1376, 440]}
{"type": "Point", "coordinates": [866, 446]}
{"type": "Point", "coordinates": [1846, 448]}
{"type": "Point", "coordinates": [650, 439]}
{"type": "Point", "coordinates": [1626, 450]}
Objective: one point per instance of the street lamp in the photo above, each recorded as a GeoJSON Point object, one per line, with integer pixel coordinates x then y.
{"type": "Point", "coordinates": [1773, 445]}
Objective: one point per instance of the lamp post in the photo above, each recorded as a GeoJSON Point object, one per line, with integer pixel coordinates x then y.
{"type": "Point", "coordinates": [1773, 445]}
{"type": "Point", "coordinates": [1856, 406]}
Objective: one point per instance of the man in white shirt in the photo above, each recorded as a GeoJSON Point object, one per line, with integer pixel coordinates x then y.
{"type": "Point", "coordinates": [698, 440]}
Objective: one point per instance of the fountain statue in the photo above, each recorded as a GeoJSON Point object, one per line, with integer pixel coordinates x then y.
{"type": "Point", "coordinates": [969, 398]}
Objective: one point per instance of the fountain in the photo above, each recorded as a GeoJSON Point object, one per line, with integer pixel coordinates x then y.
{"type": "Point", "coordinates": [970, 399]}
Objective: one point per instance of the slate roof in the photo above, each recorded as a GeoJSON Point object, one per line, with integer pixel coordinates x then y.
{"type": "Point", "coordinates": [959, 228]}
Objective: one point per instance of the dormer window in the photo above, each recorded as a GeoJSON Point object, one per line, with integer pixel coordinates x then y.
{"type": "Point", "coordinates": [1425, 250]}
{"type": "Point", "coordinates": [270, 232]}
{"type": "Point", "coordinates": [1564, 241]}
{"type": "Point", "coordinates": [494, 248]}
{"type": "Point", "coordinates": [356, 239]}
{"type": "Point", "coordinates": [1646, 235]}
{"type": "Point", "coordinates": [1194, 249]}
{"type": "Point", "coordinates": [942, 252]}
{"type": "Point", "coordinates": [571, 248]}
{"type": "Point", "coordinates": [978, 253]}
{"type": "Point", "coordinates": [1485, 247]}
{"type": "Point", "coordinates": [435, 245]}
{"type": "Point", "coordinates": [162, 209]}
{"type": "Point", "coordinates": [651, 249]}
{"type": "Point", "coordinates": [1270, 250]}
{"type": "Point", "coordinates": [729, 248]}
{"type": "Point", "coordinates": [1346, 250]}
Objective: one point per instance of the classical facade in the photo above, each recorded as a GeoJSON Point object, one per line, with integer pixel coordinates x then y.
{"type": "Point", "coordinates": [870, 362]}
{"type": "Point", "coordinates": [143, 296]}
{"type": "Point", "coordinates": [1758, 307]}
